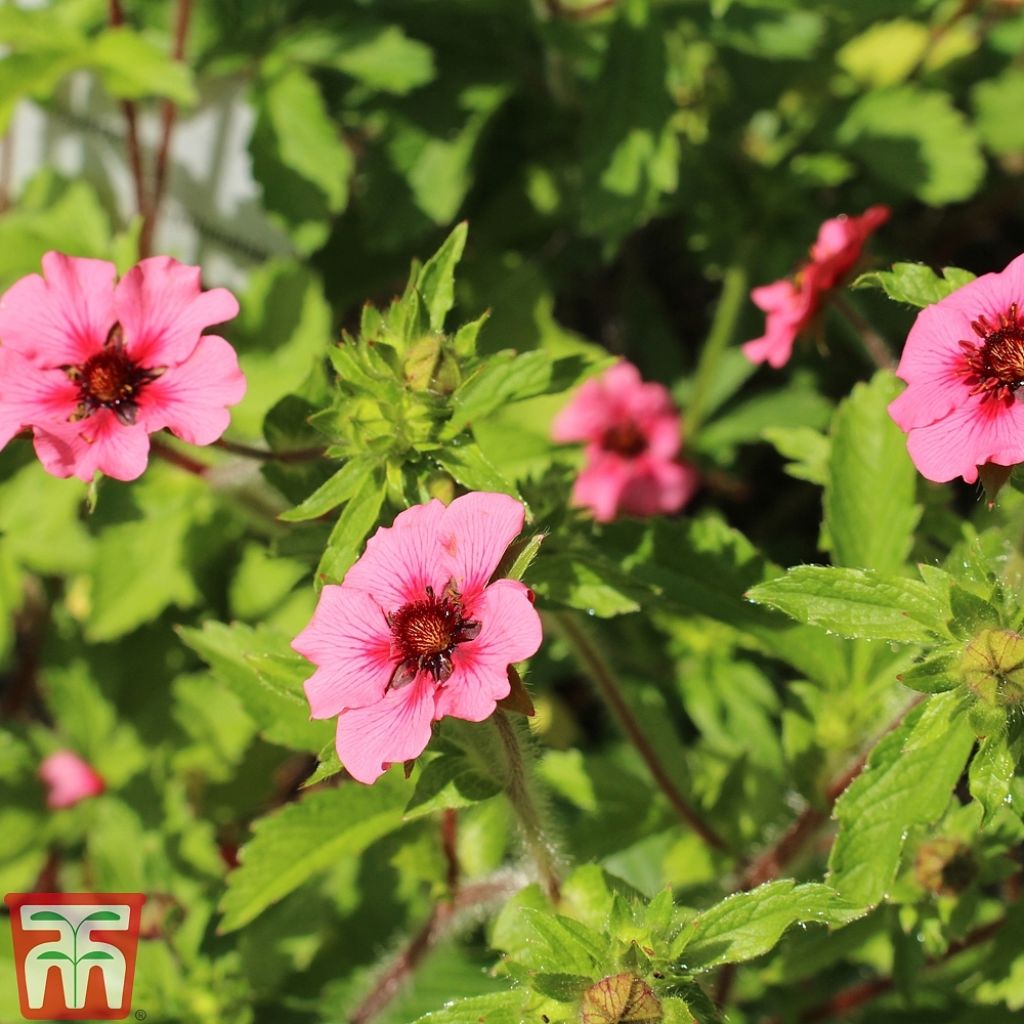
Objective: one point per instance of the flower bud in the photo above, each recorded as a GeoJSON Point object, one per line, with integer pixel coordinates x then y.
{"type": "Point", "coordinates": [992, 666]}
{"type": "Point", "coordinates": [621, 998]}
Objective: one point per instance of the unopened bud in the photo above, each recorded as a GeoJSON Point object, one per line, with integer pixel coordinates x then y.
{"type": "Point", "coordinates": [993, 667]}
{"type": "Point", "coordinates": [621, 999]}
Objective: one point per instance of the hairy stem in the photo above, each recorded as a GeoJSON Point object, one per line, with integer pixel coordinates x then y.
{"type": "Point", "coordinates": [596, 665]}
{"type": "Point", "coordinates": [525, 807]}
{"type": "Point", "coordinates": [874, 344]}
{"type": "Point", "coordinates": [443, 918]}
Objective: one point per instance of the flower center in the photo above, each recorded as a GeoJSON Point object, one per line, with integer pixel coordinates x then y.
{"type": "Point", "coordinates": [625, 439]}
{"type": "Point", "coordinates": [427, 632]}
{"type": "Point", "coordinates": [110, 379]}
{"type": "Point", "coordinates": [996, 367]}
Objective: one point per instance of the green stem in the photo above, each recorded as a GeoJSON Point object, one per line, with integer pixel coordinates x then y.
{"type": "Point", "coordinates": [525, 807]}
{"type": "Point", "coordinates": [720, 337]}
{"type": "Point", "coordinates": [596, 665]}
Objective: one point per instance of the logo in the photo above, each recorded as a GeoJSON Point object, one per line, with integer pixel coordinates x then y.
{"type": "Point", "coordinates": [75, 953]}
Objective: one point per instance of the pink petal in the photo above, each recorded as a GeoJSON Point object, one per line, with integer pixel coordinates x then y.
{"type": "Point", "coordinates": [475, 532]}
{"type": "Point", "coordinates": [63, 319]}
{"type": "Point", "coordinates": [658, 487]}
{"type": "Point", "coordinates": [69, 779]}
{"type": "Point", "coordinates": [976, 433]}
{"type": "Point", "coordinates": [600, 484]}
{"type": "Point", "coordinates": [664, 436]}
{"type": "Point", "coordinates": [396, 728]}
{"type": "Point", "coordinates": [586, 417]}
{"type": "Point", "coordinates": [349, 640]}
{"type": "Point", "coordinates": [402, 560]}
{"type": "Point", "coordinates": [510, 632]}
{"type": "Point", "coordinates": [163, 310]}
{"type": "Point", "coordinates": [30, 394]}
{"type": "Point", "coordinates": [97, 444]}
{"type": "Point", "coordinates": [191, 398]}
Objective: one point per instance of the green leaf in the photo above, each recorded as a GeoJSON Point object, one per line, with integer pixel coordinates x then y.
{"type": "Point", "coordinates": [48, 915]}
{"type": "Point", "coordinates": [97, 954]}
{"type": "Point", "coordinates": [938, 672]}
{"type": "Point", "coordinates": [299, 156]}
{"type": "Point", "coordinates": [357, 519]}
{"type": "Point", "coordinates": [908, 781]}
{"type": "Point", "coordinates": [52, 954]}
{"type": "Point", "coordinates": [808, 451]}
{"type": "Point", "coordinates": [317, 832]}
{"type": "Point", "coordinates": [886, 53]}
{"type": "Point", "coordinates": [703, 567]}
{"type": "Point", "coordinates": [588, 582]}
{"type": "Point", "coordinates": [870, 514]}
{"type": "Point", "coordinates": [436, 281]}
{"type": "Point", "coordinates": [543, 941]}
{"type": "Point", "coordinates": [992, 770]}
{"type": "Point", "coordinates": [914, 283]}
{"type": "Point", "coordinates": [334, 492]}
{"type": "Point", "coordinates": [471, 468]}
{"type": "Point", "coordinates": [496, 1008]}
{"type": "Point", "coordinates": [917, 142]}
{"type": "Point", "coordinates": [748, 924]}
{"type": "Point", "coordinates": [858, 603]}
{"type": "Point", "coordinates": [629, 144]}
{"type": "Point", "coordinates": [384, 57]}
{"type": "Point", "coordinates": [131, 67]}
{"type": "Point", "coordinates": [260, 668]}
{"type": "Point", "coordinates": [997, 105]}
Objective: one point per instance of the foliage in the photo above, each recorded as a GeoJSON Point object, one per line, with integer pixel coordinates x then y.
{"type": "Point", "coordinates": [777, 767]}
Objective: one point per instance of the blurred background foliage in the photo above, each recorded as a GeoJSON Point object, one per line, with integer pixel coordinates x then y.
{"type": "Point", "coordinates": [629, 169]}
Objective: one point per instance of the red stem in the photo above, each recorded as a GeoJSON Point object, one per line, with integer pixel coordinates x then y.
{"type": "Point", "coordinates": [249, 452]}
{"type": "Point", "coordinates": [131, 121]}
{"type": "Point", "coordinates": [169, 115]}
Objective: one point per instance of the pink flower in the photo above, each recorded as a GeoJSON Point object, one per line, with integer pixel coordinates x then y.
{"type": "Point", "coordinates": [415, 632]}
{"type": "Point", "coordinates": [69, 779]}
{"type": "Point", "coordinates": [964, 366]}
{"type": "Point", "coordinates": [792, 304]}
{"type": "Point", "coordinates": [633, 435]}
{"type": "Point", "coordinates": [94, 367]}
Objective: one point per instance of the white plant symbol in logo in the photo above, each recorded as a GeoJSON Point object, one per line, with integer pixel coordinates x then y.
{"type": "Point", "coordinates": [76, 952]}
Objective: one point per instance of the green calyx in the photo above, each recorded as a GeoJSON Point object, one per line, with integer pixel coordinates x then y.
{"type": "Point", "coordinates": [992, 666]}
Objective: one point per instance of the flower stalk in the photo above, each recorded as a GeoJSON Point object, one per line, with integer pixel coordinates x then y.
{"type": "Point", "coordinates": [525, 806]}
{"type": "Point", "coordinates": [594, 662]}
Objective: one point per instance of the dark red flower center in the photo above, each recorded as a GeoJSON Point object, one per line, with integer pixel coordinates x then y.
{"type": "Point", "coordinates": [426, 633]}
{"type": "Point", "coordinates": [625, 439]}
{"type": "Point", "coordinates": [996, 366]}
{"type": "Point", "coordinates": [110, 379]}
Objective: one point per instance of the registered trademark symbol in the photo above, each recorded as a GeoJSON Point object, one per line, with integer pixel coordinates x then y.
{"type": "Point", "coordinates": [140, 1014]}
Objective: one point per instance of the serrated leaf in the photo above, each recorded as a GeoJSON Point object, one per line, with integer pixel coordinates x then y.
{"type": "Point", "coordinates": [436, 281]}
{"type": "Point", "coordinates": [131, 67]}
{"type": "Point", "coordinates": [870, 514]}
{"type": "Point", "coordinates": [916, 141]}
{"type": "Point", "coordinates": [497, 1008]}
{"type": "Point", "coordinates": [471, 468]}
{"type": "Point", "coordinates": [936, 673]}
{"type": "Point", "coordinates": [556, 944]}
{"type": "Point", "coordinates": [914, 283]}
{"type": "Point", "coordinates": [385, 58]}
{"type": "Point", "coordinates": [751, 923]}
{"type": "Point", "coordinates": [261, 670]}
{"type": "Point", "coordinates": [992, 770]}
{"type": "Point", "coordinates": [354, 524]}
{"type": "Point", "coordinates": [587, 582]}
{"type": "Point", "coordinates": [908, 781]}
{"type": "Point", "coordinates": [290, 846]}
{"type": "Point", "coordinates": [858, 603]}
{"type": "Point", "coordinates": [997, 105]}
{"type": "Point", "coordinates": [334, 492]}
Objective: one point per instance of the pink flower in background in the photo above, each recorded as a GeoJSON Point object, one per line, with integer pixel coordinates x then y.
{"type": "Point", "coordinates": [68, 779]}
{"type": "Point", "coordinates": [792, 304]}
{"type": "Point", "coordinates": [633, 434]}
{"type": "Point", "coordinates": [964, 367]}
{"type": "Point", "coordinates": [94, 367]}
{"type": "Point", "coordinates": [415, 631]}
